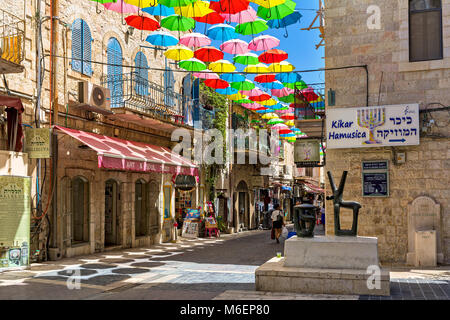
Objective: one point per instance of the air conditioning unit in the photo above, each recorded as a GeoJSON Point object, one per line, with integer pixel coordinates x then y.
{"type": "Point", "coordinates": [94, 98]}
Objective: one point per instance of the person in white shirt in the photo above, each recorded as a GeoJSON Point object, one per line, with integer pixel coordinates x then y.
{"type": "Point", "coordinates": [277, 222]}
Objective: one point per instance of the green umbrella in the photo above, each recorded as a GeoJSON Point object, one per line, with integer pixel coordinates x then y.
{"type": "Point", "coordinates": [296, 85]}
{"type": "Point", "coordinates": [192, 64]}
{"type": "Point", "coordinates": [251, 27]}
{"type": "Point", "coordinates": [244, 101]}
{"type": "Point", "coordinates": [255, 121]}
{"type": "Point", "coordinates": [244, 85]}
{"type": "Point", "coordinates": [175, 22]}
{"type": "Point", "coordinates": [287, 99]}
{"type": "Point", "coordinates": [275, 121]}
{"type": "Point", "coordinates": [175, 3]}
{"type": "Point", "coordinates": [277, 12]}
{"type": "Point", "coordinates": [104, 1]}
{"type": "Point", "coordinates": [246, 58]}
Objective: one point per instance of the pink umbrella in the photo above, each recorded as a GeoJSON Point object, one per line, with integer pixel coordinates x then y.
{"type": "Point", "coordinates": [195, 39]}
{"type": "Point", "coordinates": [207, 74]}
{"type": "Point", "coordinates": [253, 106]}
{"type": "Point", "coordinates": [264, 42]}
{"type": "Point", "coordinates": [235, 46]}
{"type": "Point", "coordinates": [290, 110]}
{"type": "Point", "coordinates": [253, 92]}
{"type": "Point", "coordinates": [248, 15]}
{"type": "Point", "coordinates": [121, 7]}
{"type": "Point", "coordinates": [282, 92]}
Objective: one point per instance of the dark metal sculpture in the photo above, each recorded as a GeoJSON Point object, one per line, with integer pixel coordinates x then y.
{"type": "Point", "coordinates": [338, 203]}
{"type": "Point", "coordinates": [305, 213]}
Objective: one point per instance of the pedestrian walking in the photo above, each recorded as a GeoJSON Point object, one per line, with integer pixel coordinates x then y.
{"type": "Point", "coordinates": [277, 222]}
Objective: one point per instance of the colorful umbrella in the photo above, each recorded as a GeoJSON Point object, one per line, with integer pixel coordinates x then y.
{"type": "Point", "coordinates": [277, 12]}
{"type": "Point", "coordinates": [253, 106]}
{"type": "Point", "coordinates": [286, 135]}
{"type": "Point", "coordinates": [159, 10]}
{"type": "Point", "coordinates": [142, 23]}
{"type": "Point", "coordinates": [257, 68]}
{"type": "Point", "coordinates": [281, 92]}
{"type": "Point", "coordinates": [252, 27]}
{"type": "Point", "coordinates": [244, 101]}
{"type": "Point", "coordinates": [272, 85]}
{"type": "Point", "coordinates": [264, 42]}
{"type": "Point", "coordinates": [122, 7]}
{"type": "Point", "coordinates": [196, 9]}
{"type": "Point", "coordinates": [253, 92]}
{"type": "Point", "coordinates": [179, 52]}
{"type": "Point", "coordinates": [296, 85]}
{"type": "Point", "coordinates": [228, 91]}
{"type": "Point", "coordinates": [229, 6]}
{"type": "Point", "coordinates": [243, 85]}
{"type": "Point", "coordinates": [207, 74]}
{"type": "Point", "coordinates": [192, 64]}
{"type": "Point", "coordinates": [286, 21]}
{"type": "Point", "coordinates": [221, 32]}
{"type": "Point", "coordinates": [282, 66]}
{"type": "Point", "coordinates": [260, 98]}
{"type": "Point", "coordinates": [140, 3]}
{"type": "Point", "coordinates": [262, 111]}
{"type": "Point", "coordinates": [234, 46]}
{"type": "Point", "coordinates": [265, 78]}
{"type": "Point", "coordinates": [162, 38]}
{"type": "Point", "coordinates": [210, 18]}
{"type": "Point", "coordinates": [288, 116]}
{"type": "Point", "coordinates": [243, 16]}
{"type": "Point", "coordinates": [288, 77]}
{"type": "Point", "coordinates": [175, 3]}
{"type": "Point", "coordinates": [288, 99]}
{"type": "Point", "coordinates": [208, 54]}
{"type": "Point", "coordinates": [235, 97]}
{"type": "Point", "coordinates": [232, 77]}
{"type": "Point", "coordinates": [195, 39]}
{"type": "Point", "coordinates": [216, 83]}
{"type": "Point", "coordinates": [246, 58]}
{"type": "Point", "coordinates": [273, 56]}
{"type": "Point", "coordinates": [269, 116]}
{"type": "Point", "coordinates": [274, 121]}
{"type": "Point", "coordinates": [269, 102]}
{"type": "Point", "coordinates": [175, 22]}
{"type": "Point", "coordinates": [309, 94]}
{"type": "Point", "coordinates": [278, 107]}
{"type": "Point", "coordinates": [222, 66]}
{"type": "Point", "coordinates": [290, 123]}
{"type": "Point", "coordinates": [268, 3]}
{"type": "Point", "coordinates": [279, 126]}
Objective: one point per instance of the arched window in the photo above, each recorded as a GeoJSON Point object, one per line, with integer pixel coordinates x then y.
{"type": "Point", "coordinates": [425, 30]}
{"type": "Point", "coordinates": [141, 74]}
{"type": "Point", "coordinates": [114, 70]}
{"type": "Point", "coordinates": [81, 47]}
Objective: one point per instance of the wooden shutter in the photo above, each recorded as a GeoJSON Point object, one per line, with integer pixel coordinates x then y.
{"type": "Point", "coordinates": [77, 45]}
{"type": "Point", "coordinates": [141, 74]}
{"type": "Point", "coordinates": [114, 70]}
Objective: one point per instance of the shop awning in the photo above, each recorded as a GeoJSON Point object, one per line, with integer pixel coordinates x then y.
{"type": "Point", "coordinates": [118, 154]}
{"type": "Point", "coordinates": [312, 188]}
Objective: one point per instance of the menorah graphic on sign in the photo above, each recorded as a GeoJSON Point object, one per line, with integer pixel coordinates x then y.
{"type": "Point", "coordinates": [371, 119]}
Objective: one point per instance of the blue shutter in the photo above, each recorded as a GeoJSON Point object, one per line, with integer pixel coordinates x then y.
{"type": "Point", "coordinates": [87, 41]}
{"type": "Point", "coordinates": [77, 45]}
{"type": "Point", "coordinates": [141, 74]}
{"type": "Point", "coordinates": [115, 77]}
{"type": "Point", "coordinates": [169, 82]}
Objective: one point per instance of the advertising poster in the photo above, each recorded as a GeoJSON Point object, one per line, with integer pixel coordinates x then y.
{"type": "Point", "coordinates": [307, 150]}
{"type": "Point", "coordinates": [190, 229]}
{"type": "Point", "coordinates": [15, 210]}
{"type": "Point", "coordinates": [37, 143]}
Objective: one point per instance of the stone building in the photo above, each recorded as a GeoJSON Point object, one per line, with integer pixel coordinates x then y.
{"type": "Point", "coordinates": [405, 45]}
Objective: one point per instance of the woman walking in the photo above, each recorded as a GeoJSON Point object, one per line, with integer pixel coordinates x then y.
{"type": "Point", "coordinates": [277, 222]}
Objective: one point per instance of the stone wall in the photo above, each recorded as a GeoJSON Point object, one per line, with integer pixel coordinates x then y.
{"type": "Point", "coordinates": [392, 80]}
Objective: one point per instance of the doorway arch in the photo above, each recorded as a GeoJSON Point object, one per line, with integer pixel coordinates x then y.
{"type": "Point", "coordinates": [112, 213]}
{"type": "Point", "coordinates": [243, 204]}
{"type": "Point", "coordinates": [141, 216]}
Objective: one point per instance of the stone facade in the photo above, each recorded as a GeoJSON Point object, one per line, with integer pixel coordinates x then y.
{"type": "Point", "coordinates": [392, 80]}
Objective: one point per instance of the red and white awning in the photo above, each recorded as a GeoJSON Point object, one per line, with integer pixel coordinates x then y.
{"type": "Point", "coordinates": [118, 154]}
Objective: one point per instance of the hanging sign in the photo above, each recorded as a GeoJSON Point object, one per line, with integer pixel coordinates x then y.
{"type": "Point", "coordinates": [395, 125]}
{"type": "Point", "coordinates": [15, 221]}
{"type": "Point", "coordinates": [37, 143]}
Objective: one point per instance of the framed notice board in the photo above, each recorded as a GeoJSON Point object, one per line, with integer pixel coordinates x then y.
{"type": "Point", "coordinates": [375, 178]}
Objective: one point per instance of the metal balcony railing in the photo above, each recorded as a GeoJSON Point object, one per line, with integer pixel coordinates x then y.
{"type": "Point", "coordinates": [12, 37]}
{"type": "Point", "coordinates": [134, 92]}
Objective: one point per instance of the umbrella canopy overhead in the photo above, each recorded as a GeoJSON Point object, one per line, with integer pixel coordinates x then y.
{"type": "Point", "coordinates": [246, 58]}
{"type": "Point", "coordinates": [268, 3]}
{"type": "Point", "coordinates": [299, 85]}
{"type": "Point", "coordinates": [257, 68]}
{"type": "Point", "coordinates": [253, 92]}
{"type": "Point", "coordinates": [122, 7]}
{"type": "Point", "coordinates": [216, 83]}
{"type": "Point", "coordinates": [264, 42]}
{"type": "Point", "coordinates": [290, 19]}
{"type": "Point", "coordinates": [142, 23]}
{"type": "Point", "coordinates": [234, 46]}
{"type": "Point", "coordinates": [159, 10]}
{"type": "Point", "coordinates": [243, 85]}
{"type": "Point", "coordinates": [260, 98]}
{"type": "Point", "coordinates": [282, 92]}
{"type": "Point", "coordinates": [138, 3]}
{"type": "Point", "coordinates": [208, 54]}
{"type": "Point", "coordinates": [192, 64]}
{"type": "Point", "coordinates": [175, 22]}
{"type": "Point", "coordinates": [252, 27]}
{"type": "Point", "coordinates": [195, 39]}
{"type": "Point", "coordinates": [232, 77]}
{"type": "Point", "coordinates": [222, 66]}
{"type": "Point", "coordinates": [228, 91]}
{"type": "Point", "coordinates": [243, 16]}
{"type": "Point", "coordinates": [273, 56]}
{"type": "Point", "coordinates": [174, 3]}
{"type": "Point", "coordinates": [282, 66]}
{"type": "Point", "coordinates": [277, 12]}
{"type": "Point", "coordinates": [206, 74]}
{"type": "Point", "coordinates": [210, 18]}
{"type": "Point", "coordinates": [265, 78]}
{"type": "Point", "coordinates": [288, 77]}
{"type": "Point", "coordinates": [229, 6]}
{"type": "Point", "coordinates": [221, 32]}
{"type": "Point", "coordinates": [197, 9]}
{"type": "Point", "coordinates": [179, 52]}
{"type": "Point", "coordinates": [162, 38]}
{"type": "Point", "coordinates": [272, 85]}
{"type": "Point", "coordinates": [237, 96]}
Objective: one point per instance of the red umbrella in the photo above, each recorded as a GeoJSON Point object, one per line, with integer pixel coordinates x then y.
{"type": "Point", "coordinates": [309, 94]}
{"type": "Point", "coordinates": [284, 131]}
{"type": "Point", "coordinates": [289, 116]}
{"type": "Point", "coordinates": [229, 6]}
{"type": "Point", "coordinates": [273, 56]}
{"type": "Point", "coordinates": [264, 78]}
{"type": "Point", "coordinates": [297, 105]}
{"type": "Point", "coordinates": [216, 83]}
{"type": "Point", "coordinates": [142, 23]}
{"type": "Point", "coordinates": [210, 18]}
{"type": "Point", "coordinates": [208, 54]}
{"type": "Point", "coordinates": [261, 97]}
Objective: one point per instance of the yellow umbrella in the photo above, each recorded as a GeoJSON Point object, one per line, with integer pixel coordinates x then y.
{"type": "Point", "coordinates": [269, 116]}
{"type": "Point", "coordinates": [289, 123]}
{"type": "Point", "coordinates": [268, 3]}
{"type": "Point", "coordinates": [196, 10]}
{"type": "Point", "coordinates": [142, 3]}
{"type": "Point", "coordinates": [270, 102]}
{"type": "Point", "coordinates": [222, 66]}
{"type": "Point", "coordinates": [282, 66]}
{"type": "Point", "coordinates": [179, 52]}
{"type": "Point", "coordinates": [236, 96]}
{"type": "Point", "coordinates": [258, 68]}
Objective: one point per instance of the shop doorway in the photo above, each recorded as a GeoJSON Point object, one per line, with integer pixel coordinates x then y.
{"type": "Point", "coordinates": [243, 211]}
{"type": "Point", "coordinates": [153, 206]}
{"type": "Point", "coordinates": [140, 209]}
{"type": "Point", "coordinates": [112, 213]}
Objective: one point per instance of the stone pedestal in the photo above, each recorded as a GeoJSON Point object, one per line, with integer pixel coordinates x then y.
{"type": "Point", "coordinates": [326, 265]}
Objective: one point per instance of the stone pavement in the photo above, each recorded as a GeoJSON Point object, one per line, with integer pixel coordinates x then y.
{"type": "Point", "coordinates": [193, 269]}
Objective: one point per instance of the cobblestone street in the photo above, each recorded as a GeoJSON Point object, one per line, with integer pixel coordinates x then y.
{"type": "Point", "coordinates": [197, 269]}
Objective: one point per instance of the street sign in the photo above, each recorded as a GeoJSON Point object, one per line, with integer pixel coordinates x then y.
{"type": "Point", "coordinates": [381, 126]}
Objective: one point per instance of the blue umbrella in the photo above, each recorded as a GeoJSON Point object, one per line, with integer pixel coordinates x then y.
{"type": "Point", "coordinates": [265, 111]}
{"type": "Point", "coordinates": [286, 21]}
{"type": "Point", "coordinates": [162, 38]}
{"type": "Point", "coordinates": [288, 77]}
{"type": "Point", "coordinates": [287, 135]}
{"type": "Point", "coordinates": [222, 32]}
{"type": "Point", "coordinates": [277, 106]}
{"type": "Point", "coordinates": [228, 91]}
{"type": "Point", "coordinates": [232, 77]}
{"type": "Point", "coordinates": [272, 85]}
{"type": "Point", "coordinates": [159, 10]}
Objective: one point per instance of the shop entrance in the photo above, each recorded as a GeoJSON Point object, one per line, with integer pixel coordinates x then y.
{"type": "Point", "coordinates": [243, 205]}
{"type": "Point", "coordinates": [153, 205]}
{"type": "Point", "coordinates": [111, 213]}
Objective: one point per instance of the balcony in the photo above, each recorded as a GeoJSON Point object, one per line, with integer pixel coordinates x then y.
{"type": "Point", "coordinates": [12, 43]}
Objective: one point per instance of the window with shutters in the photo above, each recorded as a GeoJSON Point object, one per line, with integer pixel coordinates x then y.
{"type": "Point", "coordinates": [114, 72]}
{"type": "Point", "coordinates": [188, 116]}
{"type": "Point", "coordinates": [141, 74]}
{"type": "Point", "coordinates": [425, 30]}
{"type": "Point", "coordinates": [81, 47]}
{"type": "Point", "coordinates": [169, 86]}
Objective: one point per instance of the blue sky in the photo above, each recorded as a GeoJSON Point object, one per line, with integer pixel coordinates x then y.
{"type": "Point", "coordinates": [300, 45]}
